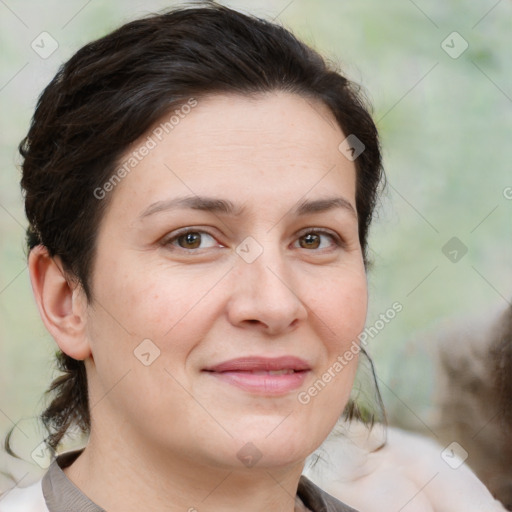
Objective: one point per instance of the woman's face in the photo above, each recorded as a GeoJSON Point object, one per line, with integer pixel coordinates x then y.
{"type": "Point", "coordinates": [228, 280]}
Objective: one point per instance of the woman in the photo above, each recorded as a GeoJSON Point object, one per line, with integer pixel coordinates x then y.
{"type": "Point", "coordinates": [199, 187]}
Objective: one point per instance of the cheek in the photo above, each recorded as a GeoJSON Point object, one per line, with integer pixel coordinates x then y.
{"type": "Point", "coordinates": [142, 330]}
{"type": "Point", "coordinates": [341, 309]}
{"type": "Point", "coordinates": [173, 310]}
{"type": "Point", "coordinates": [147, 303]}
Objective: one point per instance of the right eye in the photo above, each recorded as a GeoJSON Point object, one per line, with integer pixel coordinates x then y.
{"type": "Point", "coordinates": [189, 240]}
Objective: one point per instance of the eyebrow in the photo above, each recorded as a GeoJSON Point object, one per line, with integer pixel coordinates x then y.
{"type": "Point", "coordinates": [224, 206]}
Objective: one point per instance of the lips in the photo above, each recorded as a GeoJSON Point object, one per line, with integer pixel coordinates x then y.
{"type": "Point", "coordinates": [261, 364]}
{"type": "Point", "coordinates": [261, 375]}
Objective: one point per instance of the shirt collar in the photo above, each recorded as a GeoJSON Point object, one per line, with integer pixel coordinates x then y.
{"type": "Point", "coordinates": [62, 495]}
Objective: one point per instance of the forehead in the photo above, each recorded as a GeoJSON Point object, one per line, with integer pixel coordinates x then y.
{"type": "Point", "coordinates": [268, 147]}
{"type": "Point", "coordinates": [262, 126]}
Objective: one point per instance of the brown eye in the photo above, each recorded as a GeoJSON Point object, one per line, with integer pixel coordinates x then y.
{"type": "Point", "coordinates": [191, 240]}
{"type": "Point", "coordinates": [310, 241]}
{"type": "Point", "coordinates": [315, 240]}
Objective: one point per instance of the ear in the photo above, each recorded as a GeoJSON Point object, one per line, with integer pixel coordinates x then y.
{"type": "Point", "coordinates": [62, 305]}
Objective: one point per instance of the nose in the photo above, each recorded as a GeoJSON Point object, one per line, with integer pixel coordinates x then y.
{"type": "Point", "coordinates": [264, 297]}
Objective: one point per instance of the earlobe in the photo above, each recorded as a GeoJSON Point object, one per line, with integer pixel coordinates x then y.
{"type": "Point", "coordinates": [61, 304]}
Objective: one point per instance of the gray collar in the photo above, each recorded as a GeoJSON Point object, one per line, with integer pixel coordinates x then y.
{"type": "Point", "coordinates": [62, 495]}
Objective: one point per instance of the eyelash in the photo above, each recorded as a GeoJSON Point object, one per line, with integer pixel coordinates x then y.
{"type": "Point", "coordinates": [338, 242]}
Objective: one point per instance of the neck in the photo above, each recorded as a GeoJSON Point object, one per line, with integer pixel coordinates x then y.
{"type": "Point", "coordinates": [118, 478]}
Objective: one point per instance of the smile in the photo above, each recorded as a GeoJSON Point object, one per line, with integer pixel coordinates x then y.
{"type": "Point", "coordinates": [263, 376]}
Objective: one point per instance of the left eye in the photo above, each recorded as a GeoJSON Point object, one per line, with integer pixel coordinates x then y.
{"type": "Point", "coordinates": [313, 240]}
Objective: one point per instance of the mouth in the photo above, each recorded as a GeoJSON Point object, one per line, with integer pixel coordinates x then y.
{"type": "Point", "coordinates": [263, 376]}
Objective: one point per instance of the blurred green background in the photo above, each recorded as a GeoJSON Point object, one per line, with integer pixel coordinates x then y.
{"type": "Point", "coordinates": [445, 116]}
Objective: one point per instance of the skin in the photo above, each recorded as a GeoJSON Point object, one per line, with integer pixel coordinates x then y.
{"type": "Point", "coordinates": [166, 436]}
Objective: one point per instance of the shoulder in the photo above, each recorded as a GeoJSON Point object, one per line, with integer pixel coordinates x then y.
{"type": "Point", "coordinates": [408, 467]}
{"type": "Point", "coordinates": [24, 499]}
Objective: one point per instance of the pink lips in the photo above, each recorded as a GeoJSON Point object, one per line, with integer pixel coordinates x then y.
{"type": "Point", "coordinates": [261, 375]}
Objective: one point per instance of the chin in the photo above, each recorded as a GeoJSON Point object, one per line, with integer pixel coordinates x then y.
{"type": "Point", "coordinates": [276, 443]}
